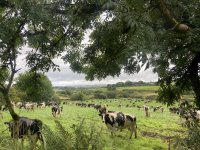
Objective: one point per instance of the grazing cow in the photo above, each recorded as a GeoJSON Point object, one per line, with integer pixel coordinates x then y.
{"type": "Point", "coordinates": [41, 105]}
{"type": "Point", "coordinates": [162, 109]}
{"type": "Point", "coordinates": [121, 121]}
{"type": "Point", "coordinates": [97, 107]}
{"type": "Point", "coordinates": [18, 104]}
{"type": "Point", "coordinates": [24, 127]}
{"type": "Point", "coordinates": [29, 106]}
{"type": "Point", "coordinates": [146, 109]}
{"type": "Point", "coordinates": [56, 110]}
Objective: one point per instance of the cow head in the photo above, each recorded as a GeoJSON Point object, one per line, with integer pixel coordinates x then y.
{"type": "Point", "coordinates": [102, 116]}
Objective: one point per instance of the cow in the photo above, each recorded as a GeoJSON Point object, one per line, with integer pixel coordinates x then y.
{"type": "Point", "coordinates": [26, 127]}
{"type": "Point", "coordinates": [146, 109]}
{"type": "Point", "coordinates": [29, 106]}
{"type": "Point", "coordinates": [102, 109]}
{"type": "Point", "coordinates": [119, 120]}
{"type": "Point", "coordinates": [97, 107]}
{"type": "Point", "coordinates": [56, 110]}
{"type": "Point", "coordinates": [41, 105]}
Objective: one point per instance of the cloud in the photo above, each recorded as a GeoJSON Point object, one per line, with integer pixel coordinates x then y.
{"type": "Point", "coordinates": [66, 77]}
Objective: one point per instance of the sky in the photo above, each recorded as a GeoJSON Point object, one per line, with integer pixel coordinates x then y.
{"type": "Point", "coordinates": [68, 78]}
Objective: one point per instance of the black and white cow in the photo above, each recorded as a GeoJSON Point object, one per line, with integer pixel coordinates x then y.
{"type": "Point", "coordinates": [26, 127]}
{"type": "Point", "coordinates": [121, 121]}
{"type": "Point", "coordinates": [56, 110]}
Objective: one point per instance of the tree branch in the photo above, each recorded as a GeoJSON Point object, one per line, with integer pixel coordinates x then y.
{"type": "Point", "coordinates": [2, 88]}
{"type": "Point", "coordinates": [177, 26]}
{"type": "Point", "coordinates": [5, 3]}
{"type": "Point", "coordinates": [12, 57]}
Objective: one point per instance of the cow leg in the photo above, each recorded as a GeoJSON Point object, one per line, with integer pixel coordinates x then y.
{"type": "Point", "coordinates": [40, 137]}
{"type": "Point", "coordinates": [59, 113]}
{"type": "Point", "coordinates": [34, 139]}
{"type": "Point", "coordinates": [132, 130]}
{"type": "Point", "coordinates": [135, 130]}
{"type": "Point", "coordinates": [112, 131]}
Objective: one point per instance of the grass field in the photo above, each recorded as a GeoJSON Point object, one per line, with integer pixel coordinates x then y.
{"type": "Point", "coordinates": [152, 132]}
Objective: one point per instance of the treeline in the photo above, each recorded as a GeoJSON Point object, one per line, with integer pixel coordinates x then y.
{"type": "Point", "coordinates": [110, 91]}
{"type": "Point", "coordinates": [130, 83]}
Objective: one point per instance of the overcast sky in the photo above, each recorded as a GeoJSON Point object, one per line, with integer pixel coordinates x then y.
{"type": "Point", "coordinates": [67, 78]}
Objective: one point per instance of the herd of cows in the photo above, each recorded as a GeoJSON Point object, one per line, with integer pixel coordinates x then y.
{"type": "Point", "coordinates": [113, 120]}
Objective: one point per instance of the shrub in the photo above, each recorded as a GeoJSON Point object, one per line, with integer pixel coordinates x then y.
{"type": "Point", "coordinates": [111, 95]}
{"type": "Point", "coordinates": [191, 141]}
{"type": "Point", "coordinates": [77, 96]}
{"type": "Point", "coordinates": [81, 138]}
{"type": "Point", "coordinates": [123, 95]}
{"type": "Point", "coordinates": [99, 96]}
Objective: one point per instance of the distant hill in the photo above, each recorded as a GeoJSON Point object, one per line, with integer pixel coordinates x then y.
{"type": "Point", "coordinates": [118, 84]}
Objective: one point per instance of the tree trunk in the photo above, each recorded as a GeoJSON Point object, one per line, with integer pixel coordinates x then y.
{"type": "Point", "coordinates": [9, 105]}
{"type": "Point", "coordinates": [195, 80]}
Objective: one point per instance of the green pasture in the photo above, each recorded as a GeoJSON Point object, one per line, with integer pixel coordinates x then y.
{"type": "Point", "coordinates": [141, 88]}
{"type": "Point", "coordinates": [152, 132]}
{"type": "Point", "coordinates": [136, 88]}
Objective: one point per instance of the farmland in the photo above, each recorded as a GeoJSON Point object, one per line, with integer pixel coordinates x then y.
{"type": "Point", "coordinates": [153, 131]}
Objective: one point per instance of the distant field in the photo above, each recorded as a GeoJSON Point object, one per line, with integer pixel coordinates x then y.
{"type": "Point", "coordinates": [140, 88]}
{"type": "Point", "coordinates": [152, 132]}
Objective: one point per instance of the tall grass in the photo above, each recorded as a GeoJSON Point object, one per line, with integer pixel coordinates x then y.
{"type": "Point", "coordinates": [80, 138]}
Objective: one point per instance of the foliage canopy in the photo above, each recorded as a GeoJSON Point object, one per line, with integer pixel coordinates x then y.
{"type": "Point", "coordinates": [126, 35]}
{"type": "Point", "coordinates": [133, 35]}
{"type": "Point", "coordinates": [37, 87]}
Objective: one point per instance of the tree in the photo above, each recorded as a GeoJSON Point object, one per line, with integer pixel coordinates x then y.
{"type": "Point", "coordinates": [128, 83]}
{"type": "Point", "coordinates": [47, 27]}
{"type": "Point", "coordinates": [37, 87]}
{"type": "Point", "coordinates": [111, 87]}
{"type": "Point", "coordinates": [134, 33]}
{"type": "Point", "coordinates": [79, 96]}
{"type": "Point", "coordinates": [119, 84]}
{"type": "Point", "coordinates": [137, 34]}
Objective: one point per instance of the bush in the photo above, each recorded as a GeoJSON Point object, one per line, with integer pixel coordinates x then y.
{"type": "Point", "coordinates": [124, 95]}
{"type": "Point", "coordinates": [111, 95]}
{"type": "Point", "coordinates": [77, 96]}
{"type": "Point", "coordinates": [81, 138]}
{"type": "Point", "coordinates": [191, 141]}
{"type": "Point", "coordinates": [111, 87]}
{"type": "Point", "coordinates": [99, 96]}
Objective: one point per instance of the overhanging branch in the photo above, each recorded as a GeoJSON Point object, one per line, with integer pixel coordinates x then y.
{"type": "Point", "coordinates": [177, 26]}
